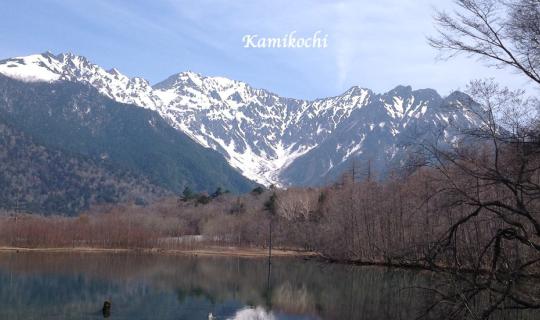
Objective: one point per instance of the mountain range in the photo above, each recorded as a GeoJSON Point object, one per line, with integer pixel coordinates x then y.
{"type": "Point", "coordinates": [267, 138]}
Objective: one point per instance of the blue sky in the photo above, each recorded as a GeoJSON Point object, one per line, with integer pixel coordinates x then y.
{"type": "Point", "coordinates": [372, 44]}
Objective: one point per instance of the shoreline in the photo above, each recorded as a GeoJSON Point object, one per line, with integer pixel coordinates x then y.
{"type": "Point", "coordinates": [217, 251]}
{"type": "Point", "coordinates": [204, 251]}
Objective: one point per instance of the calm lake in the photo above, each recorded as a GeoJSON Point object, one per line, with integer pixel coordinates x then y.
{"type": "Point", "coordinates": [74, 286]}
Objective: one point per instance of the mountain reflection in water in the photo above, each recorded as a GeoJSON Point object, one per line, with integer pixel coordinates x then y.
{"type": "Point", "coordinates": [253, 314]}
{"type": "Point", "coordinates": [75, 285]}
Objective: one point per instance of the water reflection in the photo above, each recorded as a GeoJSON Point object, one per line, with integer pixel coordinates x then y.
{"type": "Point", "coordinates": [75, 286]}
{"type": "Point", "coordinates": [257, 313]}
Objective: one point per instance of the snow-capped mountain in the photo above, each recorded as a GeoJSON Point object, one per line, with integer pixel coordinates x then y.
{"type": "Point", "coordinates": [69, 67]}
{"type": "Point", "coordinates": [380, 136]}
{"type": "Point", "coordinates": [268, 138]}
{"type": "Point", "coordinates": [259, 132]}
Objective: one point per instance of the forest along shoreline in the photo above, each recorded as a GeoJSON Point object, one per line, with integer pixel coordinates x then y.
{"type": "Point", "coordinates": [401, 222]}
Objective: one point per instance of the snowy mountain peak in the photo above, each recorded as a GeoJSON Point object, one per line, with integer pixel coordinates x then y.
{"type": "Point", "coordinates": [114, 72]}
{"type": "Point", "coordinates": [400, 90]}
{"type": "Point", "coordinates": [355, 91]}
{"type": "Point", "coordinates": [179, 80]}
{"type": "Point", "coordinates": [192, 79]}
{"type": "Point", "coordinates": [71, 67]}
{"type": "Point", "coordinates": [37, 67]}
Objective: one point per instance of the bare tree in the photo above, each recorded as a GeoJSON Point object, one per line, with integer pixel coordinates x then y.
{"type": "Point", "coordinates": [491, 183]}
{"type": "Point", "coordinates": [504, 32]}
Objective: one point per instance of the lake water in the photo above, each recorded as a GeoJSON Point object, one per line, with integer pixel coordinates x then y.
{"type": "Point", "coordinates": [74, 286]}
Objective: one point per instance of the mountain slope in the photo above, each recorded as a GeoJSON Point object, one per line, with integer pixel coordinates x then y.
{"type": "Point", "coordinates": [47, 180]}
{"type": "Point", "coordinates": [76, 117]}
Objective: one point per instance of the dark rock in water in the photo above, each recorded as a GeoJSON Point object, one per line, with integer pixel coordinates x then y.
{"type": "Point", "coordinates": [106, 309]}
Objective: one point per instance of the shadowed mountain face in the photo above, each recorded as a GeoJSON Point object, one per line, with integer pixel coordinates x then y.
{"type": "Point", "coordinates": [48, 180]}
{"type": "Point", "coordinates": [75, 118]}
{"type": "Point", "coordinates": [272, 139]}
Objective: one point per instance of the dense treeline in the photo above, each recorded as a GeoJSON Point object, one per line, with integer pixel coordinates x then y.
{"type": "Point", "coordinates": [397, 221]}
